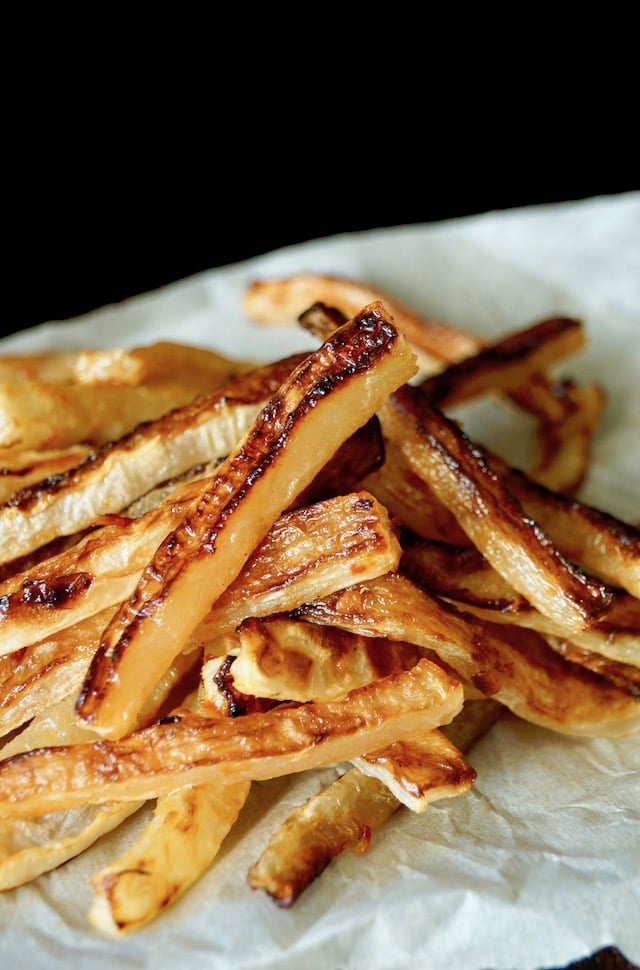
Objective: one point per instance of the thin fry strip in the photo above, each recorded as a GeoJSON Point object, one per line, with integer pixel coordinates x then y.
{"type": "Point", "coordinates": [112, 477]}
{"type": "Point", "coordinates": [515, 667]}
{"type": "Point", "coordinates": [601, 543]}
{"type": "Point", "coordinates": [309, 552]}
{"type": "Point", "coordinates": [332, 393]}
{"type": "Point", "coordinates": [99, 571]}
{"type": "Point", "coordinates": [280, 301]}
{"type": "Point", "coordinates": [457, 471]}
{"type": "Point", "coordinates": [506, 364]}
{"type": "Point", "coordinates": [186, 749]}
{"type": "Point", "coordinates": [464, 576]}
{"type": "Point", "coordinates": [179, 843]}
{"type": "Point", "coordinates": [345, 814]}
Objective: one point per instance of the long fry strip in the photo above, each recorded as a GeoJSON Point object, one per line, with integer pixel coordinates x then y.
{"type": "Point", "coordinates": [457, 471]}
{"type": "Point", "coordinates": [321, 404]}
{"type": "Point", "coordinates": [515, 667]}
{"type": "Point", "coordinates": [506, 364]}
{"type": "Point", "coordinates": [110, 478]}
{"type": "Point", "coordinates": [186, 749]}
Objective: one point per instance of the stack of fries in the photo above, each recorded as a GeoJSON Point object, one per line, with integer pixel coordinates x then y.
{"type": "Point", "coordinates": [215, 572]}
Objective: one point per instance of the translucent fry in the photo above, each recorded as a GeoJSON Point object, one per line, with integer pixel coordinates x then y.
{"type": "Point", "coordinates": [323, 402]}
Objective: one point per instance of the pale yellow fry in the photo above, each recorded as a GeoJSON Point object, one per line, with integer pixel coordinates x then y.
{"type": "Point", "coordinates": [343, 814]}
{"type": "Point", "coordinates": [175, 848]}
{"type": "Point", "coordinates": [31, 846]}
{"type": "Point", "coordinates": [516, 667]}
{"type": "Point", "coordinates": [112, 477]}
{"type": "Point", "coordinates": [346, 813]}
{"type": "Point", "coordinates": [187, 749]}
{"type": "Point", "coordinates": [326, 398]}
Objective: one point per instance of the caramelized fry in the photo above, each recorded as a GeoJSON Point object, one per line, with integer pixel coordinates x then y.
{"type": "Point", "coordinates": [188, 749]}
{"type": "Point", "coordinates": [111, 478]}
{"type": "Point", "coordinates": [309, 552]}
{"type": "Point", "coordinates": [515, 667]}
{"type": "Point", "coordinates": [457, 471]}
{"type": "Point", "coordinates": [506, 364]}
{"type": "Point", "coordinates": [347, 812]}
{"type": "Point", "coordinates": [320, 405]}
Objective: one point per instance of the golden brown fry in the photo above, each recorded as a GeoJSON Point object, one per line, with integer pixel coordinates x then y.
{"type": "Point", "coordinates": [419, 771]}
{"type": "Point", "coordinates": [186, 749]}
{"type": "Point", "coordinates": [332, 393]}
{"type": "Point", "coordinates": [464, 576]}
{"type": "Point", "coordinates": [98, 572]}
{"type": "Point", "coordinates": [120, 366]}
{"type": "Point", "coordinates": [342, 815]}
{"type": "Point", "coordinates": [345, 814]}
{"type": "Point", "coordinates": [459, 474]}
{"type": "Point", "coordinates": [565, 446]}
{"type": "Point", "coordinates": [601, 543]}
{"type": "Point", "coordinates": [96, 397]}
{"type": "Point", "coordinates": [286, 659]}
{"type": "Point", "coordinates": [308, 553]}
{"type": "Point", "coordinates": [515, 667]}
{"type": "Point", "coordinates": [506, 364]}
{"type": "Point", "coordinates": [280, 301]}
{"type": "Point", "coordinates": [112, 477]}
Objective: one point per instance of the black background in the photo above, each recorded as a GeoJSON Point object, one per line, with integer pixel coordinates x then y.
{"type": "Point", "coordinates": [78, 235]}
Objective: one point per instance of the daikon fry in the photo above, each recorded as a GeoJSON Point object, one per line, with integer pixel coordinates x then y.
{"type": "Point", "coordinates": [564, 447]}
{"type": "Point", "coordinates": [331, 394]}
{"type": "Point", "coordinates": [464, 576]}
{"type": "Point", "coordinates": [278, 301]}
{"type": "Point", "coordinates": [346, 813]}
{"type": "Point", "coordinates": [285, 659]}
{"type": "Point", "coordinates": [457, 471]}
{"type": "Point", "coordinates": [506, 364]}
{"type": "Point", "coordinates": [514, 666]}
{"type": "Point", "coordinates": [113, 476]}
{"type": "Point", "coordinates": [187, 749]}
{"type": "Point", "coordinates": [178, 844]}
{"type": "Point", "coordinates": [309, 552]}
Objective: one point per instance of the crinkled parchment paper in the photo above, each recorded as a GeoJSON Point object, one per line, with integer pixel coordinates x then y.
{"type": "Point", "coordinates": [540, 863]}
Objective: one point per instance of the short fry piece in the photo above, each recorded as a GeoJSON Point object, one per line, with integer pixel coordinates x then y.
{"type": "Point", "coordinates": [346, 813]}
{"type": "Point", "coordinates": [179, 843]}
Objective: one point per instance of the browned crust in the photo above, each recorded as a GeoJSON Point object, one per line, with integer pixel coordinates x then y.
{"type": "Point", "coordinates": [459, 473]}
{"type": "Point", "coordinates": [256, 386]}
{"type": "Point", "coordinates": [504, 364]}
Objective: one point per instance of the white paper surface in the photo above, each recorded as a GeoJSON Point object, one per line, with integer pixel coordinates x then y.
{"type": "Point", "coordinates": [540, 863]}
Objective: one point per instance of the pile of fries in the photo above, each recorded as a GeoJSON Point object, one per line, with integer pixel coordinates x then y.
{"type": "Point", "coordinates": [216, 572]}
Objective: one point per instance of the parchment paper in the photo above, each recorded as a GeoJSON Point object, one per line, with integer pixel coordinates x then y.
{"type": "Point", "coordinates": [540, 863]}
